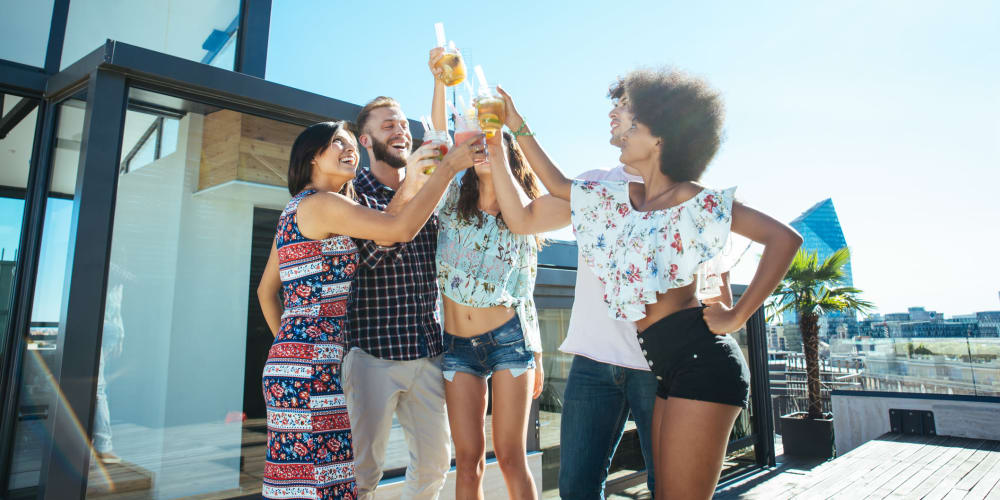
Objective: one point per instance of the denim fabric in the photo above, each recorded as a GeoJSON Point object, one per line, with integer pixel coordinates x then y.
{"type": "Point", "coordinates": [596, 405]}
{"type": "Point", "coordinates": [500, 349]}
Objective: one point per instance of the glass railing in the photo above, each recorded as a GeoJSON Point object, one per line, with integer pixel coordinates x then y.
{"type": "Point", "coordinates": [954, 365]}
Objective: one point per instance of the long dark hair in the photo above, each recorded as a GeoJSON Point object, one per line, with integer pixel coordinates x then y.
{"type": "Point", "coordinates": [468, 194]}
{"type": "Point", "coordinates": [311, 142]}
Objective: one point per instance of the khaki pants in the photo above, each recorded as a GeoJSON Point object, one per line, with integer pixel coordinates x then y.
{"type": "Point", "coordinates": [414, 390]}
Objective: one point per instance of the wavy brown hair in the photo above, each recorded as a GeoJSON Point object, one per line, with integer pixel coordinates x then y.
{"type": "Point", "coordinates": [468, 194]}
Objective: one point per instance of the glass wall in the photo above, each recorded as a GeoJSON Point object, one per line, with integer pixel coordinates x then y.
{"type": "Point", "coordinates": [15, 159]}
{"type": "Point", "coordinates": [24, 30]}
{"type": "Point", "coordinates": [183, 349]}
{"type": "Point", "coordinates": [199, 30]}
{"type": "Point", "coordinates": [39, 392]}
{"type": "Point", "coordinates": [955, 365]}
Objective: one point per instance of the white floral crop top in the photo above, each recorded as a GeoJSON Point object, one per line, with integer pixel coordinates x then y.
{"type": "Point", "coordinates": [639, 254]}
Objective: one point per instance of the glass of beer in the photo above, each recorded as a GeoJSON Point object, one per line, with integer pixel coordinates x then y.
{"type": "Point", "coordinates": [452, 66]}
{"type": "Point", "coordinates": [441, 140]}
{"type": "Point", "coordinates": [490, 110]}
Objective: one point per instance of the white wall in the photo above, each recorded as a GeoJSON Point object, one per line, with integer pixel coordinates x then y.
{"type": "Point", "coordinates": [859, 419]}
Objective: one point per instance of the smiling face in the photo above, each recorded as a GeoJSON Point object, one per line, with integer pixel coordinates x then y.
{"type": "Point", "coordinates": [387, 134]}
{"type": "Point", "coordinates": [621, 120]}
{"type": "Point", "coordinates": [340, 158]}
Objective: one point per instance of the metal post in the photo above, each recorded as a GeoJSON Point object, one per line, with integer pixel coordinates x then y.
{"type": "Point", "coordinates": [760, 389]}
{"type": "Point", "coordinates": [251, 37]}
{"type": "Point", "coordinates": [66, 460]}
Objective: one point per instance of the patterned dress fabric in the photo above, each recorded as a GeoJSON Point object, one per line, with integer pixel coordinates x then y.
{"type": "Point", "coordinates": [487, 265]}
{"type": "Point", "coordinates": [639, 254]}
{"type": "Point", "coordinates": [309, 453]}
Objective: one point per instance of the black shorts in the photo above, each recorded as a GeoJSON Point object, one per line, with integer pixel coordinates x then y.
{"type": "Point", "coordinates": [691, 362]}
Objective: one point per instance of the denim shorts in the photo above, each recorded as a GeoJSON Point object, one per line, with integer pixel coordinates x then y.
{"type": "Point", "coordinates": [502, 348]}
{"type": "Point", "coordinates": [691, 362]}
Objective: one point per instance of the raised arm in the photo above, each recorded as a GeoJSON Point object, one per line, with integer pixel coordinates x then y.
{"type": "Point", "coordinates": [267, 292]}
{"type": "Point", "coordinates": [553, 179]}
{"type": "Point", "coordinates": [332, 213]}
{"type": "Point", "coordinates": [780, 244]}
{"type": "Point", "coordinates": [438, 116]}
{"type": "Point", "coordinates": [522, 214]}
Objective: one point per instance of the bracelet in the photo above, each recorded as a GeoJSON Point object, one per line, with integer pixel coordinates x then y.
{"type": "Point", "coordinates": [521, 130]}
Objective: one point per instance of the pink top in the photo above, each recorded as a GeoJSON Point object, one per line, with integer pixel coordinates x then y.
{"type": "Point", "coordinates": [591, 332]}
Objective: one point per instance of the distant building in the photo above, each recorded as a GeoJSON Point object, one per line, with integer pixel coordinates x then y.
{"type": "Point", "coordinates": [989, 323]}
{"type": "Point", "coordinates": [919, 322]}
{"type": "Point", "coordinates": [938, 329]}
{"type": "Point", "coordinates": [821, 233]}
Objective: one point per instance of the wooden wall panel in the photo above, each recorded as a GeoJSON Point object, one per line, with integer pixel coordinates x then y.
{"type": "Point", "coordinates": [243, 147]}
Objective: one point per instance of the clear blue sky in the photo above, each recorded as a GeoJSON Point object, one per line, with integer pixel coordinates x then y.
{"type": "Point", "coordinates": [890, 108]}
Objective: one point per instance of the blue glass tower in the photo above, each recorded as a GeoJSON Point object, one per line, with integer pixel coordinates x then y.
{"type": "Point", "coordinates": [821, 233]}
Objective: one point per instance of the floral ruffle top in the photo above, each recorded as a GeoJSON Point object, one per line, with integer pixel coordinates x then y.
{"type": "Point", "coordinates": [487, 266]}
{"type": "Point", "coordinates": [639, 254]}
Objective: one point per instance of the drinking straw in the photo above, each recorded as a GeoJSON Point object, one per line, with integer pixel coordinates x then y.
{"type": "Point", "coordinates": [439, 31]}
{"type": "Point", "coordinates": [451, 45]}
{"type": "Point", "coordinates": [427, 126]}
{"type": "Point", "coordinates": [461, 104]}
{"type": "Point", "coordinates": [468, 89]}
{"type": "Point", "coordinates": [483, 88]}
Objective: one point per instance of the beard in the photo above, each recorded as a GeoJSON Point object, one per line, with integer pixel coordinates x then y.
{"type": "Point", "coordinates": [387, 155]}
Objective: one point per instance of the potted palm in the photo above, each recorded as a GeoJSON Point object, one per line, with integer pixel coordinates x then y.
{"type": "Point", "coordinates": [812, 289]}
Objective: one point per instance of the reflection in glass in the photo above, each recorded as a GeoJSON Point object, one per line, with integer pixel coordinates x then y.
{"type": "Point", "coordinates": [198, 30]}
{"type": "Point", "coordinates": [24, 31]}
{"type": "Point", "coordinates": [39, 393]}
{"type": "Point", "coordinates": [938, 365]}
{"type": "Point", "coordinates": [180, 410]}
{"type": "Point", "coordinates": [15, 156]}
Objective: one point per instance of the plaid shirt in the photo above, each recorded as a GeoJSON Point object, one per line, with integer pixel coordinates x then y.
{"type": "Point", "coordinates": [393, 312]}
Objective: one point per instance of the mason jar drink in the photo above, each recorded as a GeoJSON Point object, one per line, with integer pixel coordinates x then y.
{"type": "Point", "coordinates": [441, 141]}
{"type": "Point", "coordinates": [452, 67]}
{"type": "Point", "coordinates": [491, 110]}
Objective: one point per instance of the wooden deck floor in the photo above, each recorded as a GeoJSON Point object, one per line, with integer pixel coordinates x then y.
{"type": "Point", "coordinates": [892, 466]}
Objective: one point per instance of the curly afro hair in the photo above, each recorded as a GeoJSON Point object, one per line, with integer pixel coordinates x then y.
{"type": "Point", "coordinates": [684, 113]}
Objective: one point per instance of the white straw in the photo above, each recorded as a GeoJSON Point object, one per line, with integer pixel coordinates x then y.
{"type": "Point", "coordinates": [468, 89]}
{"type": "Point", "coordinates": [483, 88]}
{"type": "Point", "coordinates": [461, 104]}
{"type": "Point", "coordinates": [439, 31]}
{"type": "Point", "coordinates": [427, 126]}
{"type": "Point", "coordinates": [451, 45]}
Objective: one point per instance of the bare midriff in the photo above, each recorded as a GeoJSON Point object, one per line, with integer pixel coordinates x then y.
{"type": "Point", "coordinates": [466, 321]}
{"type": "Point", "coordinates": [667, 303]}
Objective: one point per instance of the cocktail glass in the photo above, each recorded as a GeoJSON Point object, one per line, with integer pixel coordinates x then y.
{"type": "Point", "coordinates": [466, 126]}
{"type": "Point", "coordinates": [491, 110]}
{"type": "Point", "coordinates": [440, 139]}
{"type": "Point", "coordinates": [452, 67]}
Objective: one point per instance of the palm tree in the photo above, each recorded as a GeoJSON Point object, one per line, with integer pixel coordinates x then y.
{"type": "Point", "coordinates": [814, 289]}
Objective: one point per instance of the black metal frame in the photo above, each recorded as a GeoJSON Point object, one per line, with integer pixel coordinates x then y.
{"type": "Point", "coordinates": [82, 315]}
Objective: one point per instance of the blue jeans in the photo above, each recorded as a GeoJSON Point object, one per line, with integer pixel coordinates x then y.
{"type": "Point", "coordinates": [596, 404]}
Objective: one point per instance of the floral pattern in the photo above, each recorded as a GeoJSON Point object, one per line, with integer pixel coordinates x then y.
{"type": "Point", "coordinates": [488, 265]}
{"type": "Point", "coordinates": [309, 449]}
{"type": "Point", "coordinates": [637, 255]}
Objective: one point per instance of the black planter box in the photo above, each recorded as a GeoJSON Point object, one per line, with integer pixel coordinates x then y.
{"type": "Point", "coordinates": [803, 437]}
